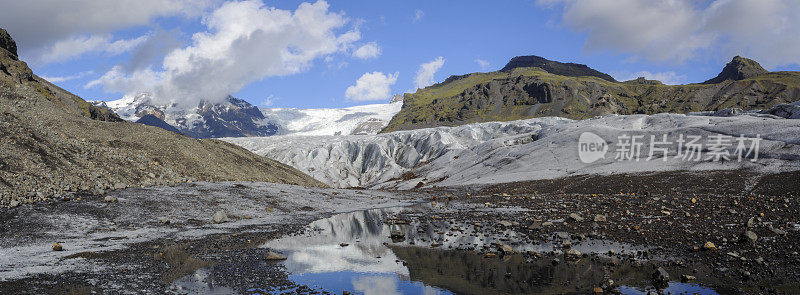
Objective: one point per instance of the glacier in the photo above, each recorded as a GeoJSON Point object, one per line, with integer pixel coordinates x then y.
{"type": "Point", "coordinates": [531, 149]}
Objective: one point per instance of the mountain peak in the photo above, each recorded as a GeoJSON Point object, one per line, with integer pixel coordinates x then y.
{"type": "Point", "coordinates": [554, 67]}
{"type": "Point", "coordinates": [739, 68]}
{"type": "Point", "coordinates": [7, 43]}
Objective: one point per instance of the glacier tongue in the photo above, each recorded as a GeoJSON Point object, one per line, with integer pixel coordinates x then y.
{"type": "Point", "coordinates": [540, 148]}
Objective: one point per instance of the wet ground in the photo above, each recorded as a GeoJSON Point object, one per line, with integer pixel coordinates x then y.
{"type": "Point", "coordinates": [508, 239]}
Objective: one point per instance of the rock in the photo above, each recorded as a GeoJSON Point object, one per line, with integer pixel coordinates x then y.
{"type": "Point", "coordinates": [490, 255]}
{"type": "Point", "coordinates": [547, 223]}
{"type": "Point", "coordinates": [57, 247]}
{"type": "Point", "coordinates": [686, 278]}
{"type": "Point", "coordinates": [562, 235]}
{"type": "Point", "coordinates": [597, 290]}
{"type": "Point", "coordinates": [709, 246]}
{"type": "Point", "coordinates": [506, 223]}
{"type": "Point", "coordinates": [272, 256]}
{"type": "Point", "coordinates": [396, 234]}
{"type": "Point", "coordinates": [572, 254]}
{"type": "Point", "coordinates": [164, 220]}
{"type": "Point", "coordinates": [344, 244]}
{"type": "Point", "coordinates": [751, 222]}
{"type": "Point", "coordinates": [660, 278]}
{"type": "Point", "coordinates": [749, 237]}
{"type": "Point", "coordinates": [507, 249]}
{"type": "Point", "coordinates": [777, 231]}
{"type": "Point", "coordinates": [220, 217]}
{"type": "Point", "coordinates": [575, 217]}
{"type": "Point", "coordinates": [110, 199]}
{"type": "Point", "coordinates": [600, 218]}
{"type": "Point", "coordinates": [13, 204]}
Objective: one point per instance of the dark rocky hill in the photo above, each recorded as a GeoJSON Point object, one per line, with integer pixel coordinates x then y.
{"type": "Point", "coordinates": [53, 142]}
{"type": "Point", "coordinates": [535, 87]}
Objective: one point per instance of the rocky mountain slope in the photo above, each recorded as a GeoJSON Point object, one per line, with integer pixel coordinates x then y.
{"type": "Point", "coordinates": [535, 87]}
{"type": "Point", "coordinates": [52, 142]}
{"type": "Point", "coordinates": [539, 148]}
{"type": "Point", "coordinates": [233, 117]}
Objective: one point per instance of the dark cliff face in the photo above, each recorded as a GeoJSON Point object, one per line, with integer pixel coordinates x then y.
{"type": "Point", "coordinates": [554, 67]}
{"type": "Point", "coordinates": [232, 118]}
{"type": "Point", "coordinates": [739, 68]}
{"type": "Point", "coordinates": [527, 92]}
{"type": "Point", "coordinates": [7, 43]}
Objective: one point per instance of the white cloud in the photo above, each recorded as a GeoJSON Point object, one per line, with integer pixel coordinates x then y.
{"type": "Point", "coordinates": [484, 64]}
{"type": "Point", "coordinates": [669, 78]}
{"type": "Point", "coordinates": [426, 71]}
{"type": "Point", "coordinates": [36, 25]}
{"type": "Point", "coordinates": [368, 51]}
{"type": "Point", "coordinates": [59, 79]}
{"type": "Point", "coordinates": [79, 45]}
{"type": "Point", "coordinates": [369, 285]}
{"type": "Point", "coordinates": [372, 86]}
{"type": "Point", "coordinates": [418, 14]}
{"type": "Point", "coordinates": [244, 42]}
{"type": "Point", "coordinates": [679, 30]}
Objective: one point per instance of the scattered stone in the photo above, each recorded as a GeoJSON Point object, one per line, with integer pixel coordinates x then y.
{"type": "Point", "coordinates": [110, 199]}
{"type": "Point", "coordinates": [575, 217]}
{"type": "Point", "coordinates": [14, 204]}
{"type": "Point", "coordinates": [490, 255]}
{"type": "Point", "coordinates": [220, 217]}
{"type": "Point", "coordinates": [572, 254]}
{"type": "Point", "coordinates": [505, 223]}
{"type": "Point", "coordinates": [597, 290]}
{"type": "Point", "coordinates": [749, 237]}
{"type": "Point", "coordinates": [275, 256]}
{"type": "Point", "coordinates": [562, 235]}
{"type": "Point", "coordinates": [709, 246]}
{"type": "Point", "coordinates": [751, 222]}
{"type": "Point", "coordinates": [57, 247]}
{"type": "Point", "coordinates": [600, 218]}
{"type": "Point", "coordinates": [777, 231]}
{"type": "Point", "coordinates": [660, 278]}
{"type": "Point", "coordinates": [547, 223]}
{"type": "Point", "coordinates": [507, 249]}
{"type": "Point", "coordinates": [164, 220]}
{"type": "Point", "coordinates": [344, 244]}
{"type": "Point", "coordinates": [686, 278]}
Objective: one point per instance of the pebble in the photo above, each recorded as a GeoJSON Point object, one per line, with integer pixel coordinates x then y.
{"type": "Point", "coordinates": [220, 217]}
{"type": "Point", "coordinates": [575, 217]}
{"type": "Point", "coordinates": [110, 199]}
{"type": "Point", "coordinates": [600, 218]}
{"type": "Point", "coordinates": [749, 237]}
{"type": "Point", "coordinates": [275, 256]}
{"type": "Point", "coordinates": [709, 246]}
{"type": "Point", "coordinates": [57, 247]}
{"type": "Point", "coordinates": [686, 278]}
{"type": "Point", "coordinates": [13, 204]}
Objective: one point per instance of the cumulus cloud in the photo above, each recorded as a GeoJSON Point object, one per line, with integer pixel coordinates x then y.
{"type": "Point", "coordinates": [372, 86]}
{"type": "Point", "coordinates": [483, 64]}
{"type": "Point", "coordinates": [683, 29]}
{"type": "Point", "coordinates": [79, 45]}
{"type": "Point", "coordinates": [368, 51]}
{"type": "Point", "coordinates": [669, 78]}
{"type": "Point", "coordinates": [244, 42]}
{"type": "Point", "coordinates": [418, 14]}
{"type": "Point", "coordinates": [59, 79]}
{"type": "Point", "coordinates": [36, 26]}
{"type": "Point", "coordinates": [426, 71]}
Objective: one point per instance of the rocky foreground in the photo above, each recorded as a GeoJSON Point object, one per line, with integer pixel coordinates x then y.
{"type": "Point", "coordinates": [730, 231]}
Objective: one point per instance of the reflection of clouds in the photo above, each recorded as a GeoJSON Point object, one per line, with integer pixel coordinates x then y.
{"type": "Point", "coordinates": [381, 285]}
{"type": "Point", "coordinates": [331, 258]}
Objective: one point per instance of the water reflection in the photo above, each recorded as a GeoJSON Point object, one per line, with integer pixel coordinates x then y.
{"type": "Point", "coordinates": [354, 252]}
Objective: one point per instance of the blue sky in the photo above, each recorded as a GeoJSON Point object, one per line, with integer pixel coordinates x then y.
{"type": "Point", "coordinates": [668, 43]}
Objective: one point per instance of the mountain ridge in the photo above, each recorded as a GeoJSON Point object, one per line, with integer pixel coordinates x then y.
{"type": "Point", "coordinates": [529, 92]}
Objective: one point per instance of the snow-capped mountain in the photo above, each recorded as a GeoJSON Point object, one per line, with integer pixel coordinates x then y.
{"type": "Point", "coordinates": [357, 120]}
{"type": "Point", "coordinates": [238, 118]}
{"type": "Point", "coordinates": [232, 118]}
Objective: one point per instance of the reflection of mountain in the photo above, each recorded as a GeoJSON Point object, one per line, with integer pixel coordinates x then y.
{"type": "Point", "coordinates": [465, 272]}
